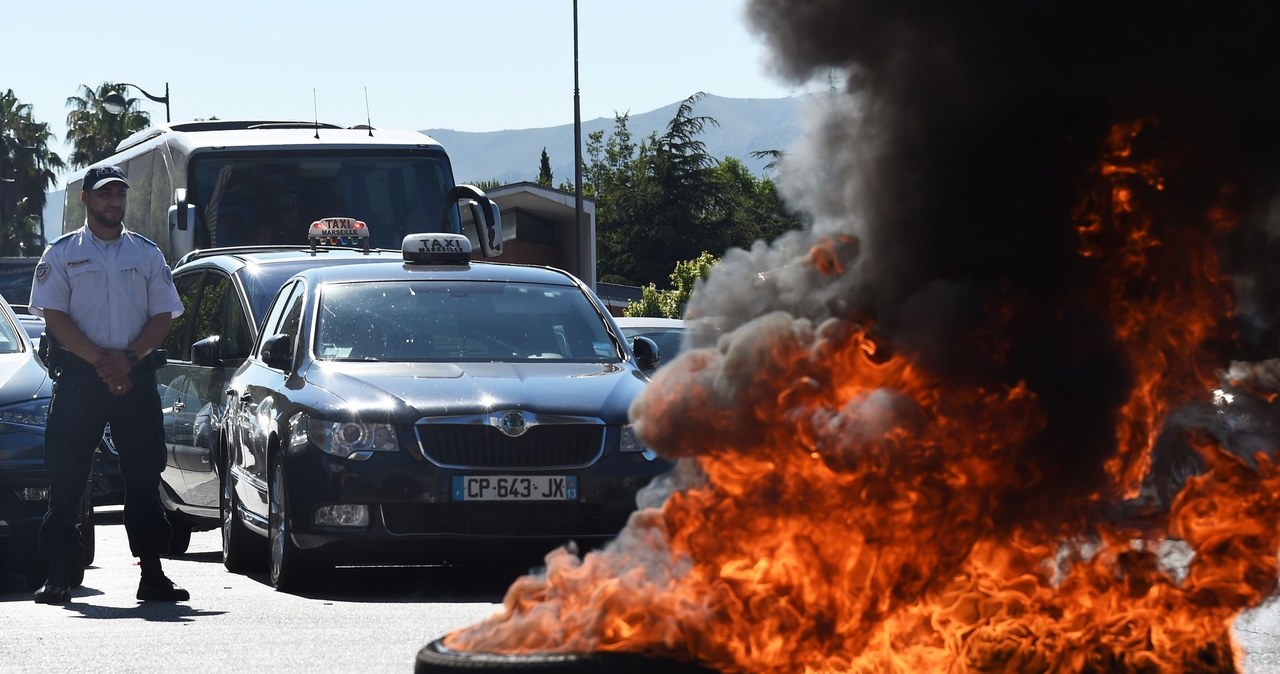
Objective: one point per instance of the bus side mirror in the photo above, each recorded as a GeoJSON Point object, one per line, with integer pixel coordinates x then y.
{"type": "Point", "coordinates": [484, 214]}
{"type": "Point", "coordinates": [180, 205]}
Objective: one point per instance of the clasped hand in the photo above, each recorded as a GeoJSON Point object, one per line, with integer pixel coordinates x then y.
{"type": "Point", "coordinates": [113, 368]}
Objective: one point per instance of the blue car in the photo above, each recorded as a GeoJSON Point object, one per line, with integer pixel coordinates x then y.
{"type": "Point", "coordinates": [427, 409]}
{"type": "Point", "coordinates": [25, 391]}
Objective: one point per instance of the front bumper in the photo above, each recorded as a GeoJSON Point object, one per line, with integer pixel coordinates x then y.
{"type": "Point", "coordinates": [414, 518]}
{"type": "Point", "coordinates": [23, 493]}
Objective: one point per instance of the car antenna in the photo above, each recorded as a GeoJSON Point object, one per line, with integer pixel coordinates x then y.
{"type": "Point", "coordinates": [315, 106]}
{"type": "Point", "coordinates": [368, 116]}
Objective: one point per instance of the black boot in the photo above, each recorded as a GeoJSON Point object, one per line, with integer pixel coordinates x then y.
{"type": "Point", "coordinates": [155, 586]}
{"type": "Point", "coordinates": [57, 586]}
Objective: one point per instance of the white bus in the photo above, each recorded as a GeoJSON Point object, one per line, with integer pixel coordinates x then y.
{"type": "Point", "coordinates": [244, 183]}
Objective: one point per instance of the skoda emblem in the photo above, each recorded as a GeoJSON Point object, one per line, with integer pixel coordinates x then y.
{"type": "Point", "coordinates": [513, 424]}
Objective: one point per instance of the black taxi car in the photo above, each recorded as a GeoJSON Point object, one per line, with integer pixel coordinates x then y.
{"type": "Point", "coordinates": [429, 409]}
{"type": "Point", "coordinates": [225, 293]}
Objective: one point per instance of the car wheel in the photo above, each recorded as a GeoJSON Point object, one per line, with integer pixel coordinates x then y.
{"type": "Point", "coordinates": [240, 548]}
{"type": "Point", "coordinates": [289, 567]}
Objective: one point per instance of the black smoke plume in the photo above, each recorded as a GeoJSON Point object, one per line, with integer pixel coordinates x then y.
{"type": "Point", "coordinates": [951, 164]}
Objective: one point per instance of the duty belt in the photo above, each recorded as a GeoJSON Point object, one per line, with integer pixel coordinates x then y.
{"type": "Point", "coordinates": [66, 358]}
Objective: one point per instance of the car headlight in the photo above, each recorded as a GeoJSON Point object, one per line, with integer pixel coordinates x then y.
{"type": "Point", "coordinates": [631, 443]}
{"type": "Point", "coordinates": [345, 438]}
{"type": "Point", "coordinates": [34, 412]}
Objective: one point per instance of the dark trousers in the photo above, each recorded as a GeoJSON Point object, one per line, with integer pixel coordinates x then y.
{"type": "Point", "coordinates": [80, 409]}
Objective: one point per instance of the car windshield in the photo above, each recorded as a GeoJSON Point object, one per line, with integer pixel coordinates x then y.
{"type": "Point", "coordinates": [261, 282]}
{"type": "Point", "coordinates": [451, 321]}
{"type": "Point", "coordinates": [10, 342]}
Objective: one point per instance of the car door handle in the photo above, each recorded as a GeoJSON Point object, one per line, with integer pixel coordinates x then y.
{"type": "Point", "coordinates": [245, 397]}
{"type": "Point", "coordinates": [178, 405]}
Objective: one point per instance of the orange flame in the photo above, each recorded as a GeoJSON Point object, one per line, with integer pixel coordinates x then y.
{"type": "Point", "coordinates": [835, 511]}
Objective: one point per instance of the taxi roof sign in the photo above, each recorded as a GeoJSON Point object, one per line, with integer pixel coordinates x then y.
{"type": "Point", "coordinates": [439, 248]}
{"type": "Point", "coordinates": [338, 231]}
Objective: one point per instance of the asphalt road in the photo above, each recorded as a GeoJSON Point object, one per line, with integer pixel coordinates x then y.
{"type": "Point", "coordinates": [365, 620]}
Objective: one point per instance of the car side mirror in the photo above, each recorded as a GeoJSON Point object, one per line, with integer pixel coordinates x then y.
{"type": "Point", "coordinates": [277, 352]}
{"type": "Point", "coordinates": [646, 351]}
{"type": "Point", "coordinates": [207, 352]}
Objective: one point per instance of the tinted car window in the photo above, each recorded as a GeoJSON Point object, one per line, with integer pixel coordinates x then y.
{"type": "Point", "coordinates": [271, 325]}
{"type": "Point", "coordinates": [238, 338]}
{"type": "Point", "coordinates": [211, 313]}
{"type": "Point", "coordinates": [291, 322]}
{"type": "Point", "coordinates": [451, 321]}
{"type": "Point", "coordinates": [178, 341]}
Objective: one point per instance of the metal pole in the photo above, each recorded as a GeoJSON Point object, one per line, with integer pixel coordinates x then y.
{"type": "Point", "coordinates": [584, 260]}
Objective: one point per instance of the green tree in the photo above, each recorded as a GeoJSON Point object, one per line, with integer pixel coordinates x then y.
{"type": "Point", "coordinates": [671, 303]}
{"type": "Point", "coordinates": [774, 156]}
{"type": "Point", "coordinates": [94, 133]}
{"type": "Point", "coordinates": [746, 208]}
{"type": "Point", "coordinates": [487, 185]}
{"type": "Point", "coordinates": [684, 191]}
{"type": "Point", "coordinates": [544, 170]}
{"type": "Point", "coordinates": [665, 199]}
{"type": "Point", "coordinates": [28, 168]}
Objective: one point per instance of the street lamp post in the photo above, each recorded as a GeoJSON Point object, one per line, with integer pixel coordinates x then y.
{"type": "Point", "coordinates": [115, 103]}
{"type": "Point", "coordinates": [584, 257]}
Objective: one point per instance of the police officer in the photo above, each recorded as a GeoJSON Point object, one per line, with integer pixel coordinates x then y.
{"type": "Point", "coordinates": [107, 297]}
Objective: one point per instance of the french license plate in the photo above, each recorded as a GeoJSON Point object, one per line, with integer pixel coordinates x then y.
{"type": "Point", "coordinates": [515, 488]}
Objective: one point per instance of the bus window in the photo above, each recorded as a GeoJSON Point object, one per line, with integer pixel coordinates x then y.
{"type": "Point", "coordinates": [243, 200]}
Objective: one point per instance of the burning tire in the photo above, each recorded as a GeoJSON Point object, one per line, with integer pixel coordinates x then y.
{"type": "Point", "coordinates": [436, 658]}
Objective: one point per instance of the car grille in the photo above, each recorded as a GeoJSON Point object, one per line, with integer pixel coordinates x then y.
{"type": "Point", "coordinates": [498, 519]}
{"type": "Point", "coordinates": [483, 446]}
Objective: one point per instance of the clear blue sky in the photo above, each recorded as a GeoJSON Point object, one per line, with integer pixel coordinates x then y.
{"type": "Point", "coordinates": [469, 65]}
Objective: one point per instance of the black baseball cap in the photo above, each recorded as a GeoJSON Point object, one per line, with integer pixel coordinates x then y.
{"type": "Point", "coordinates": [99, 176]}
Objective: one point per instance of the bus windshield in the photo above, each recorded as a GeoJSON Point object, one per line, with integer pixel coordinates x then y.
{"type": "Point", "coordinates": [246, 199]}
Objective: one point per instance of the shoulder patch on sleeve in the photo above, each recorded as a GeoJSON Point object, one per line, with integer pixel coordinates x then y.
{"type": "Point", "coordinates": [143, 238]}
{"type": "Point", "coordinates": [42, 272]}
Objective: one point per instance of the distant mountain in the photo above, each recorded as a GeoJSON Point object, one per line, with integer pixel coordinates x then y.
{"type": "Point", "coordinates": [746, 125]}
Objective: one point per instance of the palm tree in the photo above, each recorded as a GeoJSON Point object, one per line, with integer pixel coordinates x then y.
{"type": "Point", "coordinates": [94, 133]}
{"type": "Point", "coordinates": [28, 168]}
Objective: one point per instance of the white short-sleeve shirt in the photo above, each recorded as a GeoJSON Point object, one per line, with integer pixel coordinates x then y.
{"type": "Point", "coordinates": [109, 288]}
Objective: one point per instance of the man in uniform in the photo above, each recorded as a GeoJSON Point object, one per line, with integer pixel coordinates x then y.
{"type": "Point", "coordinates": [107, 298]}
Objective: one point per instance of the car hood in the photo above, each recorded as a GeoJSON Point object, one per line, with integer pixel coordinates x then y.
{"type": "Point", "coordinates": [22, 378]}
{"type": "Point", "coordinates": [603, 390]}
